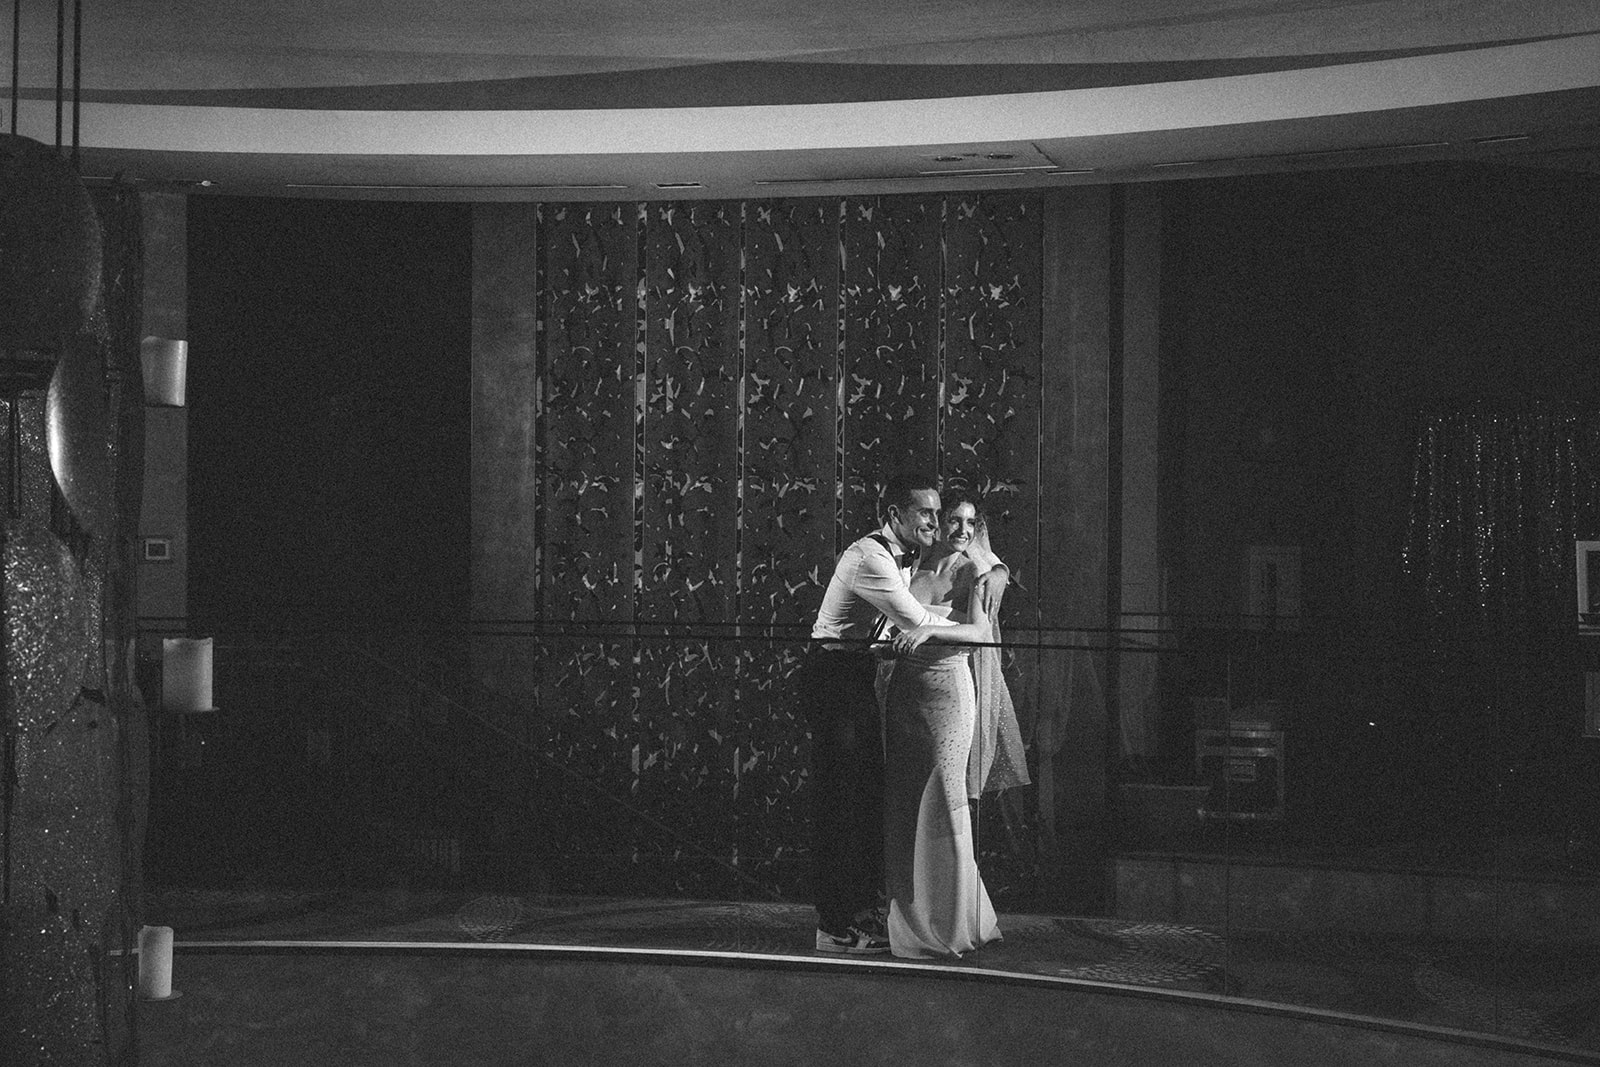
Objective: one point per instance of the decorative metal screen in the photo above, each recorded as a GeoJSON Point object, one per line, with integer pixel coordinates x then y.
{"type": "Point", "coordinates": [724, 388]}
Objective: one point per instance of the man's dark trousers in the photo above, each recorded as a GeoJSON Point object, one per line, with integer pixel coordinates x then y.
{"type": "Point", "coordinates": [838, 692]}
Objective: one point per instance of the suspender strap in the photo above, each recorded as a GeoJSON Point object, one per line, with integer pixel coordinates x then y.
{"type": "Point", "coordinates": [882, 624]}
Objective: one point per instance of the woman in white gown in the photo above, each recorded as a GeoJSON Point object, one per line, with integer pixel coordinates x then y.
{"type": "Point", "coordinates": [938, 906]}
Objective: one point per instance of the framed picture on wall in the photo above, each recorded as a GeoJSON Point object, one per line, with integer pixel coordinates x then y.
{"type": "Point", "coordinates": [1589, 584]}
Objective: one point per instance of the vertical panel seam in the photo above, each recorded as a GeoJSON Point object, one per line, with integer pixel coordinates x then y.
{"type": "Point", "coordinates": [1116, 358]}
{"type": "Point", "coordinates": [940, 340]}
{"type": "Point", "coordinates": [739, 427]}
{"type": "Point", "coordinates": [839, 369]}
{"type": "Point", "coordinates": [541, 315]}
{"type": "Point", "coordinates": [641, 405]}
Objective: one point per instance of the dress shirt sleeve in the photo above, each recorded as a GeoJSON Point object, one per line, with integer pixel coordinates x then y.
{"type": "Point", "coordinates": [880, 583]}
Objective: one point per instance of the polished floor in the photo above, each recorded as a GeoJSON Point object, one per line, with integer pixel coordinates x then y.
{"type": "Point", "coordinates": [1546, 995]}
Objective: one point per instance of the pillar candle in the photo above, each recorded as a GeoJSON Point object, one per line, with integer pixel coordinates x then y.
{"type": "Point", "coordinates": [165, 363]}
{"type": "Point", "coordinates": [155, 962]}
{"type": "Point", "coordinates": [186, 674]}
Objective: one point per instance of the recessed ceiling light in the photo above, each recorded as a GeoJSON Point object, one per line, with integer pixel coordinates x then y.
{"type": "Point", "coordinates": [332, 185]}
{"type": "Point", "coordinates": [838, 181]}
{"type": "Point", "coordinates": [1503, 139]}
{"type": "Point", "coordinates": [1355, 149]}
{"type": "Point", "coordinates": [980, 171]}
{"type": "Point", "coordinates": [678, 185]}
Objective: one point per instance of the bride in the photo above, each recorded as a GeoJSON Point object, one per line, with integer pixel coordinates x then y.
{"type": "Point", "coordinates": [937, 902]}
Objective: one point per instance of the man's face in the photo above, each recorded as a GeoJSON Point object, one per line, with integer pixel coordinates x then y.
{"type": "Point", "coordinates": [916, 521]}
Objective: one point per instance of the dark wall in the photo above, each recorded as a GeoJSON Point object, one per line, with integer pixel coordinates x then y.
{"type": "Point", "coordinates": [1314, 315]}
{"type": "Point", "coordinates": [329, 405]}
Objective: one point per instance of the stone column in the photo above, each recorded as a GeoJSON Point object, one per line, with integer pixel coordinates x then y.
{"type": "Point", "coordinates": [1074, 441]}
{"type": "Point", "coordinates": [1138, 702]}
{"type": "Point", "coordinates": [505, 562]}
{"type": "Point", "coordinates": [164, 586]}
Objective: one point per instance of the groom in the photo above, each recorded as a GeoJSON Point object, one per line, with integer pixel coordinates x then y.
{"type": "Point", "coordinates": [870, 590]}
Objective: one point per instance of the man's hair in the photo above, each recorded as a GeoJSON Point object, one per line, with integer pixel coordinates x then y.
{"type": "Point", "coordinates": [903, 484]}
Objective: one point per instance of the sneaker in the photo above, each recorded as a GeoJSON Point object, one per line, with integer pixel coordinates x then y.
{"type": "Point", "coordinates": [854, 940]}
{"type": "Point", "coordinates": [874, 920]}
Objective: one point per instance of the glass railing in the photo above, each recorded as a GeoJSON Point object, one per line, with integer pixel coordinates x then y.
{"type": "Point", "coordinates": [1333, 817]}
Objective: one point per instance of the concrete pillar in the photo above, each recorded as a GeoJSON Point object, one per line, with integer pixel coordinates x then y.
{"type": "Point", "coordinates": [1138, 704]}
{"type": "Point", "coordinates": [1074, 431]}
{"type": "Point", "coordinates": [164, 513]}
{"type": "Point", "coordinates": [505, 564]}
{"type": "Point", "coordinates": [1099, 438]}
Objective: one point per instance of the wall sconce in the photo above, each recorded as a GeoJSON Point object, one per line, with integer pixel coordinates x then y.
{"type": "Point", "coordinates": [165, 362]}
{"type": "Point", "coordinates": [186, 674]}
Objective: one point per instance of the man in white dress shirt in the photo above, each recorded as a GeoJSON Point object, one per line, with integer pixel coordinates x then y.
{"type": "Point", "coordinates": [870, 590]}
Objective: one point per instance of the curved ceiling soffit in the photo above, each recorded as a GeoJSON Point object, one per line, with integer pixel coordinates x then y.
{"type": "Point", "coordinates": [209, 45]}
{"type": "Point", "coordinates": [740, 83]}
{"type": "Point", "coordinates": [1418, 81]}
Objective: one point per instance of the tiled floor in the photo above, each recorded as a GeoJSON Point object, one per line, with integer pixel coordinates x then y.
{"type": "Point", "coordinates": [1546, 994]}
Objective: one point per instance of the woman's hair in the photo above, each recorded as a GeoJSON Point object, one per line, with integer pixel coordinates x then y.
{"type": "Point", "coordinates": [980, 532]}
{"type": "Point", "coordinates": [954, 497]}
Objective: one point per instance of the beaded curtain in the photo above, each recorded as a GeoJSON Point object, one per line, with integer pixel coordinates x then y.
{"type": "Point", "coordinates": [1499, 494]}
{"type": "Point", "coordinates": [723, 389]}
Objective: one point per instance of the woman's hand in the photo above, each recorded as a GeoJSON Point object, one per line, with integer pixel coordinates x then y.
{"type": "Point", "coordinates": [990, 587]}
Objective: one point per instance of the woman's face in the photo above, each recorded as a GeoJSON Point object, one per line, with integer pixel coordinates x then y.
{"type": "Point", "coordinates": [959, 525]}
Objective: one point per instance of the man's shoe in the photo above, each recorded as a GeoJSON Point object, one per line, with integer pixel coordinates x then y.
{"type": "Point", "coordinates": [853, 940]}
{"type": "Point", "coordinates": [874, 920]}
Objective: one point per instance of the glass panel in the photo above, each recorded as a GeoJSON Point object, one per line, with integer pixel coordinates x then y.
{"type": "Point", "coordinates": [1370, 824]}
{"type": "Point", "coordinates": [1383, 818]}
{"type": "Point", "coordinates": [369, 788]}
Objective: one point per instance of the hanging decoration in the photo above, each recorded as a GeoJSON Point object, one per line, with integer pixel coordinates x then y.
{"type": "Point", "coordinates": [1499, 494]}
{"type": "Point", "coordinates": [68, 344]}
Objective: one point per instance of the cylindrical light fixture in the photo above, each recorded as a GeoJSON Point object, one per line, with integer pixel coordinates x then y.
{"type": "Point", "coordinates": [165, 361]}
{"type": "Point", "coordinates": [186, 674]}
{"type": "Point", "coordinates": [155, 963]}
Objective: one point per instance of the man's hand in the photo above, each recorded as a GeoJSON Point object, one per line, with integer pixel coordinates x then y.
{"type": "Point", "coordinates": [911, 640]}
{"type": "Point", "coordinates": [991, 586]}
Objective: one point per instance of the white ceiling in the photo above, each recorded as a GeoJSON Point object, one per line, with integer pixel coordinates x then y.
{"type": "Point", "coordinates": [616, 98]}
